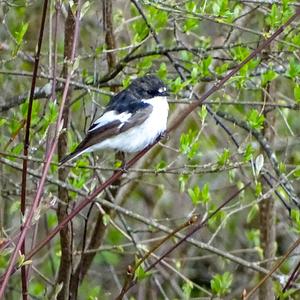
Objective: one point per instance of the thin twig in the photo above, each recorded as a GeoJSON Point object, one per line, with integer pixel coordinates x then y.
{"type": "Point", "coordinates": [132, 281]}
{"type": "Point", "coordinates": [274, 269]}
{"type": "Point", "coordinates": [292, 278]}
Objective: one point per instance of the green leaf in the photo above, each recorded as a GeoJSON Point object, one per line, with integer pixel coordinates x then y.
{"type": "Point", "coordinates": [194, 195]}
{"type": "Point", "coordinates": [84, 8]}
{"type": "Point", "coordinates": [205, 196]}
{"type": "Point", "coordinates": [296, 39]}
{"type": "Point", "coordinates": [183, 179]}
{"type": "Point", "coordinates": [224, 158]}
{"type": "Point", "coordinates": [202, 113]}
{"type": "Point", "coordinates": [255, 119]}
{"type": "Point", "coordinates": [221, 283]}
{"type": "Point", "coordinates": [220, 7]}
{"type": "Point", "coordinates": [240, 53]}
{"type": "Point", "coordinates": [194, 73]}
{"type": "Point", "coordinates": [52, 113]}
{"type": "Point", "coordinates": [189, 145]}
{"type": "Point", "coordinates": [198, 195]}
{"type": "Point", "coordinates": [141, 274]}
{"type": "Point", "coordinates": [187, 288]}
{"type": "Point", "coordinates": [295, 216]}
{"type": "Point", "coordinates": [296, 173]}
{"type": "Point", "coordinates": [158, 18]}
{"type": "Point", "coordinates": [24, 108]}
{"type": "Point", "coordinates": [204, 66]}
{"type": "Point", "coordinates": [220, 70]}
{"type": "Point", "coordinates": [126, 81]}
{"type": "Point", "coordinates": [190, 24]}
{"type": "Point", "coordinates": [114, 236]}
{"type": "Point", "coordinates": [177, 85]}
{"type": "Point", "coordinates": [253, 237]}
{"type": "Point", "coordinates": [268, 77]}
{"type": "Point", "coordinates": [252, 213]}
{"type": "Point", "coordinates": [293, 68]}
{"type": "Point", "coordinates": [191, 6]}
{"type": "Point", "coordinates": [146, 63]}
{"type": "Point", "coordinates": [274, 18]}
{"type": "Point", "coordinates": [217, 218]}
{"type": "Point", "coordinates": [19, 36]}
{"type": "Point", "coordinates": [248, 154]}
{"type": "Point", "coordinates": [37, 289]}
{"type": "Point", "coordinates": [106, 219]}
{"type": "Point", "coordinates": [258, 189]}
{"type": "Point", "coordinates": [17, 149]}
{"type": "Point", "coordinates": [36, 109]}
{"type": "Point", "coordinates": [282, 167]}
{"type": "Point", "coordinates": [51, 220]}
{"type": "Point", "coordinates": [140, 30]}
{"type": "Point", "coordinates": [2, 121]}
{"type": "Point", "coordinates": [160, 166]}
{"type": "Point", "coordinates": [297, 93]}
{"type": "Point", "coordinates": [118, 164]}
{"type": "Point", "coordinates": [162, 71]}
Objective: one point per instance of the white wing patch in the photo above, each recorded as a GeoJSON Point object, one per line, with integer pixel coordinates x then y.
{"type": "Point", "coordinates": [109, 117]}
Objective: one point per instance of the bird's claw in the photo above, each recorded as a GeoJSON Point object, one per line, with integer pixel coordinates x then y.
{"type": "Point", "coordinates": [164, 136]}
{"type": "Point", "coordinates": [124, 167]}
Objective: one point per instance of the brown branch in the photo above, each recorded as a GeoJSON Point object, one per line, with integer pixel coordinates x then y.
{"type": "Point", "coordinates": [27, 141]}
{"type": "Point", "coordinates": [65, 267]}
{"type": "Point", "coordinates": [109, 33]}
{"type": "Point", "coordinates": [267, 212]}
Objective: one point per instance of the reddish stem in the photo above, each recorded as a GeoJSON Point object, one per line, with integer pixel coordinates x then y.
{"type": "Point", "coordinates": [24, 276]}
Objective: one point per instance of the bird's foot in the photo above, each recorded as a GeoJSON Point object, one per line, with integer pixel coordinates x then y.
{"type": "Point", "coordinates": [124, 167]}
{"type": "Point", "coordinates": [163, 136]}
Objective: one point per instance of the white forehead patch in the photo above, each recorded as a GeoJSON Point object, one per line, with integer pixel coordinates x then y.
{"type": "Point", "coordinates": [162, 89]}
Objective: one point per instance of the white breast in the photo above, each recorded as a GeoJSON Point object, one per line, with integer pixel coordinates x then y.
{"type": "Point", "coordinates": [137, 138]}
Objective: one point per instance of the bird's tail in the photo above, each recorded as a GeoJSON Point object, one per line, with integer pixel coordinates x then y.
{"type": "Point", "coordinates": [70, 156]}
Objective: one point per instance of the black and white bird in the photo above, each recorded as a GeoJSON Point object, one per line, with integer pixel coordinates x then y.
{"type": "Point", "coordinates": [132, 120]}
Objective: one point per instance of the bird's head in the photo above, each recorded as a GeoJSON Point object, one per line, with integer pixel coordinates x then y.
{"type": "Point", "coordinates": [149, 86]}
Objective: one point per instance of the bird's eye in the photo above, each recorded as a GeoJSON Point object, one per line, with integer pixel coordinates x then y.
{"type": "Point", "coordinates": [162, 90]}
